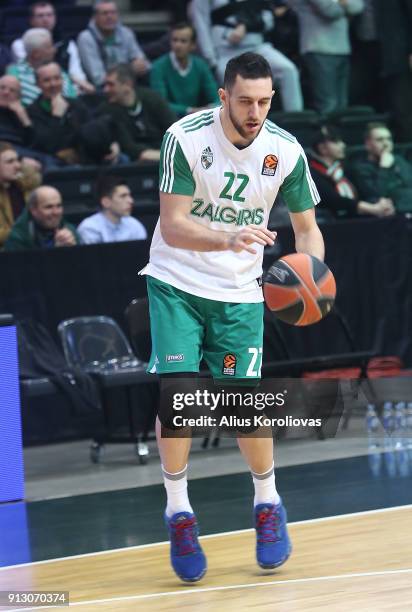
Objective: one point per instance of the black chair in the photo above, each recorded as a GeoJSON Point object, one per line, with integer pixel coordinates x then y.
{"type": "Point", "coordinates": [77, 186]}
{"type": "Point", "coordinates": [98, 346]}
{"type": "Point", "coordinates": [138, 322]}
{"type": "Point", "coordinates": [304, 124]}
{"type": "Point", "coordinates": [353, 126]}
{"type": "Point", "coordinates": [73, 19]}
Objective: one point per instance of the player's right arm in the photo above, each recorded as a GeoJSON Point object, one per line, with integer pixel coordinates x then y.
{"type": "Point", "coordinates": [178, 229]}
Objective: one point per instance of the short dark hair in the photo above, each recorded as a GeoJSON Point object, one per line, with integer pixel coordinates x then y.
{"type": "Point", "coordinates": [249, 66]}
{"type": "Point", "coordinates": [46, 63]}
{"type": "Point", "coordinates": [124, 73]}
{"type": "Point", "coordinates": [97, 3]}
{"type": "Point", "coordinates": [374, 125]}
{"type": "Point", "coordinates": [182, 25]}
{"type": "Point", "coordinates": [40, 4]}
{"type": "Point", "coordinates": [6, 146]}
{"type": "Point", "coordinates": [107, 184]}
{"type": "Point", "coordinates": [326, 133]}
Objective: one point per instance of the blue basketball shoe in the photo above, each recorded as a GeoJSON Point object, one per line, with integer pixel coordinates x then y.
{"type": "Point", "coordinates": [186, 555]}
{"type": "Point", "coordinates": [273, 545]}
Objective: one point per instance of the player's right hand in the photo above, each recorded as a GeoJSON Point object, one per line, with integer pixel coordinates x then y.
{"type": "Point", "coordinates": [241, 241]}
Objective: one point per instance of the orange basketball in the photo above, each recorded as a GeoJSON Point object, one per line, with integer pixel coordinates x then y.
{"type": "Point", "coordinates": [299, 289]}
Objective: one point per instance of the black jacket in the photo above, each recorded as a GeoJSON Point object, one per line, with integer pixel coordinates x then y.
{"type": "Point", "coordinates": [374, 182]}
{"type": "Point", "coordinates": [145, 130]}
{"type": "Point", "coordinates": [77, 129]}
{"type": "Point", "coordinates": [11, 130]}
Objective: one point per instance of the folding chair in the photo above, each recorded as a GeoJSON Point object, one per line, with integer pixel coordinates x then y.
{"type": "Point", "coordinates": [98, 346]}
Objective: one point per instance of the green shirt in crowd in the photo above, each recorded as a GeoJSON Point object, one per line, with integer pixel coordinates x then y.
{"type": "Point", "coordinates": [192, 88]}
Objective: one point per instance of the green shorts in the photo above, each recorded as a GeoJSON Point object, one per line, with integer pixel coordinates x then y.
{"type": "Point", "coordinates": [186, 328]}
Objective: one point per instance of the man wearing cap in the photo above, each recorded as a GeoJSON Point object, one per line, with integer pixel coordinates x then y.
{"type": "Point", "coordinates": [337, 193]}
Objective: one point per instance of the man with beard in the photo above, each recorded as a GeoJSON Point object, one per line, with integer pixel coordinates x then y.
{"type": "Point", "coordinates": [220, 172]}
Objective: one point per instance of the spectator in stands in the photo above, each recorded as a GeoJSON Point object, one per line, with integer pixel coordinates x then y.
{"type": "Point", "coordinates": [336, 191]}
{"type": "Point", "coordinates": [39, 49]}
{"type": "Point", "coordinates": [107, 42]}
{"type": "Point", "coordinates": [42, 224]}
{"type": "Point", "coordinates": [226, 29]}
{"type": "Point", "coordinates": [43, 15]}
{"type": "Point", "coordinates": [16, 126]}
{"type": "Point", "coordinates": [15, 123]}
{"type": "Point", "coordinates": [140, 116]}
{"type": "Point", "coordinates": [325, 47]}
{"type": "Point", "coordinates": [114, 222]}
{"type": "Point", "coordinates": [183, 79]}
{"type": "Point", "coordinates": [383, 174]}
{"type": "Point", "coordinates": [64, 128]}
{"type": "Point", "coordinates": [17, 181]}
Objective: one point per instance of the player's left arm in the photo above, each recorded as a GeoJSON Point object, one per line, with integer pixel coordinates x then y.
{"type": "Point", "coordinates": [301, 196]}
{"type": "Point", "coordinates": [308, 237]}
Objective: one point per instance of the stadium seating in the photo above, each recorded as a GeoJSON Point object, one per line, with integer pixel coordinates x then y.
{"type": "Point", "coordinates": [304, 125]}
{"type": "Point", "coordinates": [14, 20]}
{"type": "Point", "coordinates": [76, 184]}
{"type": "Point", "coordinates": [99, 348]}
{"type": "Point", "coordinates": [353, 125]}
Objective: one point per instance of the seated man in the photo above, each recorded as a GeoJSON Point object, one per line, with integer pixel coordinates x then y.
{"type": "Point", "coordinates": [15, 123]}
{"type": "Point", "coordinates": [226, 29]}
{"type": "Point", "coordinates": [337, 193]}
{"type": "Point", "coordinates": [183, 79]}
{"type": "Point", "coordinates": [383, 174]}
{"type": "Point", "coordinates": [63, 127]}
{"type": "Point", "coordinates": [43, 15]}
{"type": "Point", "coordinates": [17, 181]}
{"type": "Point", "coordinates": [140, 116]}
{"type": "Point", "coordinates": [114, 222]}
{"type": "Point", "coordinates": [39, 48]}
{"type": "Point", "coordinates": [106, 43]}
{"type": "Point", "coordinates": [42, 225]}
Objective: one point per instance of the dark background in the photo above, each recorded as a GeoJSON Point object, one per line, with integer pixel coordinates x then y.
{"type": "Point", "coordinates": [370, 259]}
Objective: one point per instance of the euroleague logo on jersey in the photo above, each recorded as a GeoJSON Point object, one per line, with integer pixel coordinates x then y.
{"type": "Point", "coordinates": [229, 364]}
{"type": "Point", "coordinates": [270, 163]}
{"type": "Point", "coordinates": [207, 158]}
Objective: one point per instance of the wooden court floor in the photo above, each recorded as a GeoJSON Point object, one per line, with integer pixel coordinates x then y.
{"type": "Point", "coordinates": [357, 562]}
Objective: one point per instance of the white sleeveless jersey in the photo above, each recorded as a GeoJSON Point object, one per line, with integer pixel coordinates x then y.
{"type": "Point", "coordinates": [231, 188]}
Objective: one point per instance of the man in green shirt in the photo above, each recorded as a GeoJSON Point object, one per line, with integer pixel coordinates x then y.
{"type": "Point", "coordinates": [42, 225]}
{"type": "Point", "coordinates": [183, 79]}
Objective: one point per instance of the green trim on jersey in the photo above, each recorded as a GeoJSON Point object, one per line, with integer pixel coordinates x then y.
{"type": "Point", "coordinates": [175, 175]}
{"type": "Point", "coordinates": [197, 127]}
{"type": "Point", "coordinates": [198, 122]}
{"type": "Point", "coordinates": [189, 122]}
{"type": "Point", "coordinates": [298, 189]}
{"type": "Point", "coordinates": [272, 128]}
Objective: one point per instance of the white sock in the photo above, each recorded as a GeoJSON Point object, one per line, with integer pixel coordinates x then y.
{"type": "Point", "coordinates": [176, 489]}
{"type": "Point", "coordinates": [265, 487]}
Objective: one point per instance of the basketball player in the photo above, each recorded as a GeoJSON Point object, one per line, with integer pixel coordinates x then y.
{"type": "Point", "coordinates": [220, 172]}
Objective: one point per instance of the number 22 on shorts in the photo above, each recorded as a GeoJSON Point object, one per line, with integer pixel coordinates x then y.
{"type": "Point", "coordinates": [255, 364]}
